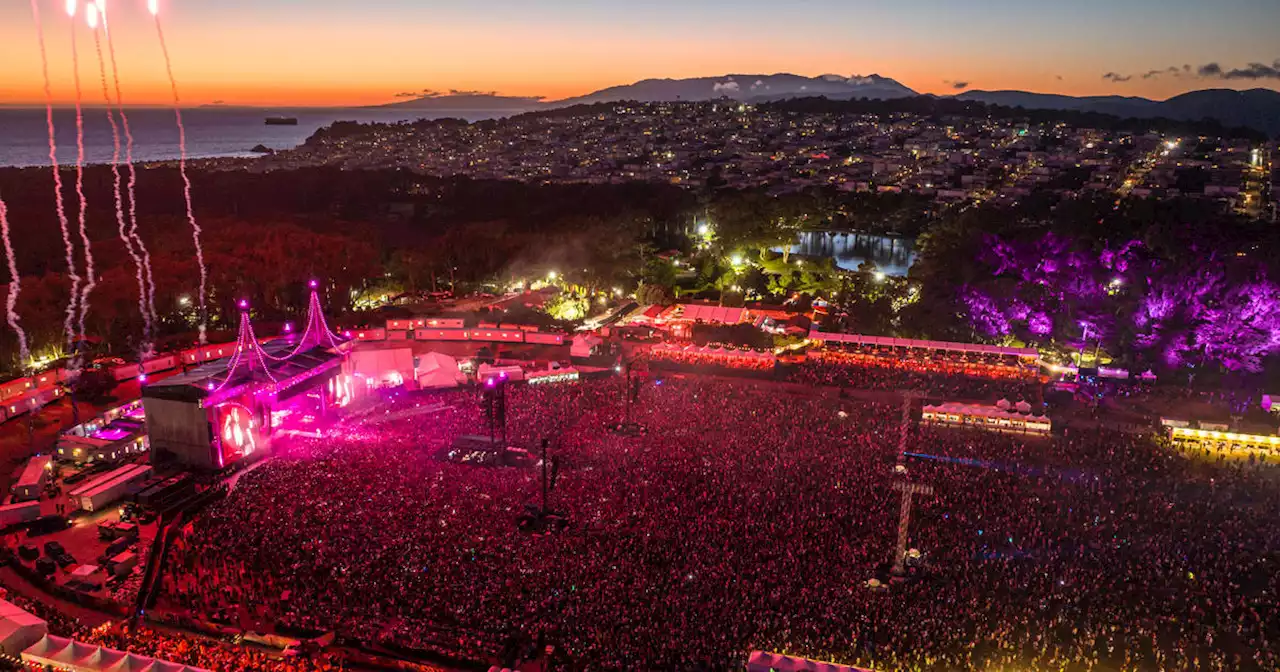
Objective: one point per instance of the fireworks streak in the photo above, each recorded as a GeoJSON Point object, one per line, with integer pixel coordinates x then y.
{"type": "Point", "coordinates": [57, 183]}
{"type": "Point", "coordinates": [92, 16]}
{"type": "Point", "coordinates": [143, 254]}
{"type": "Point", "coordinates": [90, 280]}
{"type": "Point", "coordinates": [15, 287]}
{"type": "Point", "coordinates": [154, 7]}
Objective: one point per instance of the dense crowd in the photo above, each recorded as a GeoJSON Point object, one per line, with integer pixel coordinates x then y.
{"type": "Point", "coordinates": [934, 379]}
{"type": "Point", "coordinates": [729, 359]}
{"type": "Point", "coordinates": [746, 518]}
{"type": "Point", "coordinates": [197, 651]}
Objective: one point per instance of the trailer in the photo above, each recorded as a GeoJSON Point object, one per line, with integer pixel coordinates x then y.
{"type": "Point", "coordinates": [16, 514]}
{"type": "Point", "coordinates": [94, 490]}
{"type": "Point", "coordinates": [131, 371]}
{"type": "Point", "coordinates": [34, 476]}
{"type": "Point", "coordinates": [102, 496]}
{"type": "Point", "coordinates": [30, 401]}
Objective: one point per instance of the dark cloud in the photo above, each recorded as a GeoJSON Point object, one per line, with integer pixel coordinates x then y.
{"type": "Point", "coordinates": [1116, 77]}
{"type": "Point", "coordinates": [1058, 77]}
{"type": "Point", "coordinates": [1251, 71]}
{"type": "Point", "coordinates": [1255, 71]}
{"type": "Point", "coordinates": [956, 84]}
{"type": "Point", "coordinates": [408, 94]}
{"type": "Point", "coordinates": [1172, 71]}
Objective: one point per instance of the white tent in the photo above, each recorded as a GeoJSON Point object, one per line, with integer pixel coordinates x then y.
{"type": "Point", "coordinates": [18, 628]}
{"type": "Point", "coordinates": [761, 661]}
{"type": "Point", "coordinates": [438, 371]}
{"type": "Point", "coordinates": [583, 344]}
{"type": "Point", "coordinates": [67, 654]}
{"type": "Point", "coordinates": [386, 367]}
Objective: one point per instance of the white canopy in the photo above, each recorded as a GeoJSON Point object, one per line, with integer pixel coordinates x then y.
{"type": "Point", "coordinates": [761, 661]}
{"type": "Point", "coordinates": [712, 350]}
{"type": "Point", "coordinates": [437, 371]}
{"type": "Point", "coordinates": [583, 344]}
{"type": "Point", "coordinates": [716, 314]}
{"type": "Point", "coordinates": [976, 410]}
{"type": "Point", "coordinates": [18, 628]}
{"type": "Point", "coordinates": [68, 654]}
{"type": "Point", "coordinates": [948, 346]}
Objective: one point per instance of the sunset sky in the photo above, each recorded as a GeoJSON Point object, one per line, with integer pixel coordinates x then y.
{"type": "Point", "coordinates": [357, 52]}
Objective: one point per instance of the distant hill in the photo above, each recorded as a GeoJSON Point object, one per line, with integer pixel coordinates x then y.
{"type": "Point", "coordinates": [747, 87]}
{"type": "Point", "coordinates": [467, 101]}
{"type": "Point", "coordinates": [1256, 108]}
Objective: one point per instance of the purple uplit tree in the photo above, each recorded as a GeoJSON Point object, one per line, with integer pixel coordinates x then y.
{"type": "Point", "coordinates": [1220, 313]}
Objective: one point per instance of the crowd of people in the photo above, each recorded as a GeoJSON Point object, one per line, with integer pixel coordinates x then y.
{"type": "Point", "coordinates": [195, 651]}
{"type": "Point", "coordinates": [747, 518]}
{"type": "Point", "coordinates": [722, 358]}
{"type": "Point", "coordinates": [946, 382]}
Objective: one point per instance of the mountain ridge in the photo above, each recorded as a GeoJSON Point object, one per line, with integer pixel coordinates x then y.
{"type": "Point", "coordinates": [1257, 108]}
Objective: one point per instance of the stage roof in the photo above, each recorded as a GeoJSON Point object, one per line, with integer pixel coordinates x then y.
{"type": "Point", "coordinates": [194, 385]}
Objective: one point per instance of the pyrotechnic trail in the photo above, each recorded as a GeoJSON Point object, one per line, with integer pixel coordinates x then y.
{"type": "Point", "coordinates": [133, 171]}
{"type": "Point", "coordinates": [154, 7]}
{"type": "Point", "coordinates": [91, 14]}
{"type": "Point", "coordinates": [57, 183]}
{"type": "Point", "coordinates": [15, 287]}
{"type": "Point", "coordinates": [90, 280]}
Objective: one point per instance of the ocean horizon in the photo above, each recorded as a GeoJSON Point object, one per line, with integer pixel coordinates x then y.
{"type": "Point", "coordinates": [212, 132]}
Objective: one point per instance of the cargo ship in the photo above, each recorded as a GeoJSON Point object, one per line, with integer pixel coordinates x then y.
{"type": "Point", "coordinates": [282, 121]}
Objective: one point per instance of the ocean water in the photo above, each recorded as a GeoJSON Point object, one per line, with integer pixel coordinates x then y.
{"type": "Point", "coordinates": [211, 132]}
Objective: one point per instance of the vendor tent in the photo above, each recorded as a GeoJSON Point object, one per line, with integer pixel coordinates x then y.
{"type": "Point", "coordinates": [583, 344]}
{"type": "Point", "coordinates": [67, 654]}
{"type": "Point", "coordinates": [18, 628]}
{"type": "Point", "coordinates": [761, 661]}
{"type": "Point", "coordinates": [438, 371]}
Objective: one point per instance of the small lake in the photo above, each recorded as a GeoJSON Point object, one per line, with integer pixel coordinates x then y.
{"type": "Point", "coordinates": [850, 250]}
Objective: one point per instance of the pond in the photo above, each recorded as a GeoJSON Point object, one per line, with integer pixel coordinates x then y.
{"type": "Point", "coordinates": [891, 255]}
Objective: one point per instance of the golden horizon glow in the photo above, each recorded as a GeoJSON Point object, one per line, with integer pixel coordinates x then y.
{"type": "Point", "coordinates": [266, 53]}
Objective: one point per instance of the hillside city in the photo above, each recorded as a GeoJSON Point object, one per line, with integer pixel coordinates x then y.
{"type": "Point", "coordinates": [741, 146]}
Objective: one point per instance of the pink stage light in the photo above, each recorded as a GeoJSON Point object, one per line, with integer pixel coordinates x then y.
{"type": "Point", "coordinates": [244, 305]}
{"type": "Point", "coordinates": [313, 284]}
{"type": "Point", "coordinates": [288, 327]}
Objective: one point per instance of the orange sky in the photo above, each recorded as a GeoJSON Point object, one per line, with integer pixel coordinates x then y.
{"type": "Point", "coordinates": [348, 52]}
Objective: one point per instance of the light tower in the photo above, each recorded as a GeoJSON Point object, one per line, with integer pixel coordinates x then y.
{"type": "Point", "coordinates": [903, 484]}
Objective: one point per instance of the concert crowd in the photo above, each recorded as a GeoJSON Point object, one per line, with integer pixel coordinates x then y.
{"type": "Point", "coordinates": [746, 518]}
